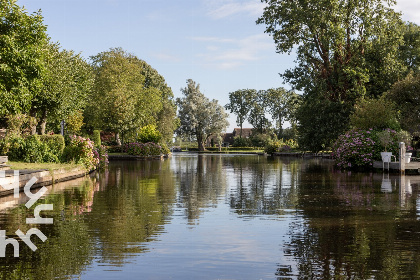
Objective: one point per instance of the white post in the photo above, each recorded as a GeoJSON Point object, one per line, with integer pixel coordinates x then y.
{"type": "Point", "coordinates": [402, 158]}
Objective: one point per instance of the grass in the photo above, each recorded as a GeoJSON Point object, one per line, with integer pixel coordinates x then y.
{"type": "Point", "coordinates": [16, 165]}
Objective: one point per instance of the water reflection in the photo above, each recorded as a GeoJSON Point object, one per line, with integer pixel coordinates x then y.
{"type": "Point", "coordinates": [223, 217]}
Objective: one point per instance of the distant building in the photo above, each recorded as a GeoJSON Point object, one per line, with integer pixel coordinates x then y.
{"type": "Point", "coordinates": [228, 138]}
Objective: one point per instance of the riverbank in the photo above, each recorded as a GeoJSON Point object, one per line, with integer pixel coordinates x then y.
{"type": "Point", "coordinates": [45, 175]}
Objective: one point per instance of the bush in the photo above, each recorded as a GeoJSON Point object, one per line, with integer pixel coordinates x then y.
{"type": "Point", "coordinates": [260, 140]}
{"type": "Point", "coordinates": [81, 150]}
{"type": "Point", "coordinates": [273, 147]}
{"type": "Point", "coordinates": [359, 148]}
{"type": "Point", "coordinates": [241, 142]}
{"type": "Point", "coordinates": [30, 149]}
{"type": "Point", "coordinates": [55, 142]}
{"type": "Point", "coordinates": [143, 149]}
{"type": "Point", "coordinates": [149, 133]}
{"type": "Point", "coordinates": [280, 146]}
{"type": "Point", "coordinates": [96, 137]}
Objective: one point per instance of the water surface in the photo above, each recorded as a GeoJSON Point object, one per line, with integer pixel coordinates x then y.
{"type": "Point", "coordinates": [222, 217]}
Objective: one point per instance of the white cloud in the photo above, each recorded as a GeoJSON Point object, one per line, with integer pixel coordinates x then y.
{"type": "Point", "coordinates": [166, 57]}
{"type": "Point", "coordinates": [218, 9]}
{"type": "Point", "coordinates": [230, 53]}
{"type": "Point", "coordinates": [410, 10]}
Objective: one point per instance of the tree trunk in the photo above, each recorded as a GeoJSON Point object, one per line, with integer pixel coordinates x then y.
{"type": "Point", "coordinates": [117, 138]}
{"type": "Point", "coordinates": [200, 143]}
{"type": "Point", "coordinates": [43, 122]}
{"type": "Point", "coordinates": [32, 121]}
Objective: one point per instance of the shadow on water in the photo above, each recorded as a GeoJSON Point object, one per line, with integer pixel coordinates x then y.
{"type": "Point", "coordinates": [219, 217]}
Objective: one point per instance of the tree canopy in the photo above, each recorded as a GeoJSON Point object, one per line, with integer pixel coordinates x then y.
{"type": "Point", "coordinates": [22, 43]}
{"type": "Point", "coordinates": [346, 50]}
{"type": "Point", "coordinates": [240, 102]}
{"type": "Point", "coordinates": [199, 117]}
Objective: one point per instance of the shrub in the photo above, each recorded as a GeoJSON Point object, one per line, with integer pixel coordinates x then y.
{"type": "Point", "coordinates": [273, 147]}
{"type": "Point", "coordinates": [241, 142]}
{"type": "Point", "coordinates": [81, 150]}
{"type": "Point", "coordinates": [149, 133]}
{"type": "Point", "coordinates": [30, 149]}
{"type": "Point", "coordinates": [96, 137]}
{"type": "Point", "coordinates": [143, 149]}
{"type": "Point", "coordinates": [260, 140]}
{"type": "Point", "coordinates": [55, 142]}
{"type": "Point", "coordinates": [359, 148]}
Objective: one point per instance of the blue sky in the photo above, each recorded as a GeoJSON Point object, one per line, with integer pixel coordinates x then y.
{"type": "Point", "coordinates": [214, 42]}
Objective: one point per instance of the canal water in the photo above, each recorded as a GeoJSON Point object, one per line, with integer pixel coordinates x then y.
{"type": "Point", "coordinates": [221, 217]}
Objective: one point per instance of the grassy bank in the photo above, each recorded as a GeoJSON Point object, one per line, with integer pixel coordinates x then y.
{"type": "Point", "coordinates": [50, 166]}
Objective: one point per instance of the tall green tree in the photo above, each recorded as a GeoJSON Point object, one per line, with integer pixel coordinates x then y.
{"type": "Point", "coordinates": [257, 115]}
{"type": "Point", "coordinates": [120, 102]}
{"type": "Point", "coordinates": [240, 103]}
{"type": "Point", "coordinates": [22, 43]}
{"type": "Point", "coordinates": [199, 117]}
{"type": "Point", "coordinates": [66, 84]}
{"type": "Point", "coordinates": [346, 49]}
{"type": "Point", "coordinates": [281, 104]}
{"type": "Point", "coordinates": [406, 95]}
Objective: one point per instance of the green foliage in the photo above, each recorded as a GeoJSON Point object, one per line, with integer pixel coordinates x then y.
{"type": "Point", "coordinates": [22, 41]}
{"type": "Point", "coordinates": [376, 113]}
{"type": "Point", "coordinates": [260, 140]}
{"type": "Point", "coordinates": [100, 152]}
{"type": "Point", "coordinates": [96, 138]}
{"type": "Point", "coordinates": [240, 102]}
{"type": "Point", "coordinates": [405, 94]}
{"type": "Point", "coordinates": [129, 94]}
{"type": "Point", "coordinates": [74, 122]}
{"type": "Point", "coordinates": [273, 147]}
{"type": "Point", "coordinates": [340, 55]}
{"type": "Point", "coordinates": [257, 115]}
{"type": "Point", "coordinates": [145, 149]}
{"type": "Point", "coordinates": [149, 133]}
{"type": "Point", "coordinates": [66, 83]}
{"type": "Point", "coordinates": [81, 150]}
{"type": "Point", "coordinates": [30, 149]}
{"type": "Point", "coordinates": [55, 142]}
{"type": "Point", "coordinates": [280, 146]}
{"type": "Point", "coordinates": [321, 122]}
{"type": "Point", "coordinates": [242, 142]}
{"type": "Point", "coordinates": [199, 117]}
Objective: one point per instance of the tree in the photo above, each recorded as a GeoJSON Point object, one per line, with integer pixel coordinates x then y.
{"type": "Point", "coordinates": [332, 40]}
{"type": "Point", "coordinates": [257, 117]}
{"type": "Point", "coordinates": [406, 95]}
{"type": "Point", "coordinates": [66, 84]}
{"type": "Point", "coordinates": [121, 103]}
{"type": "Point", "coordinates": [22, 41]}
{"type": "Point", "coordinates": [128, 95]}
{"type": "Point", "coordinates": [165, 119]}
{"type": "Point", "coordinates": [199, 117]}
{"type": "Point", "coordinates": [240, 103]}
{"type": "Point", "coordinates": [281, 104]}
{"type": "Point", "coordinates": [346, 49]}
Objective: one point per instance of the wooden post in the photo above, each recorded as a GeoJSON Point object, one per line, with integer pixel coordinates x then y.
{"type": "Point", "coordinates": [402, 158]}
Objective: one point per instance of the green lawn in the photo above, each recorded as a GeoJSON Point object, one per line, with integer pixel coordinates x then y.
{"type": "Point", "coordinates": [50, 166]}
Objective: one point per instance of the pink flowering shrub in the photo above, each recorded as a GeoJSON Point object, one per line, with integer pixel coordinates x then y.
{"type": "Point", "coordinates": [359, 148]}
{"type": "Point", "coordinates": [143, 149]}
{"type": "Point", "coordinates": [81, 150]}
